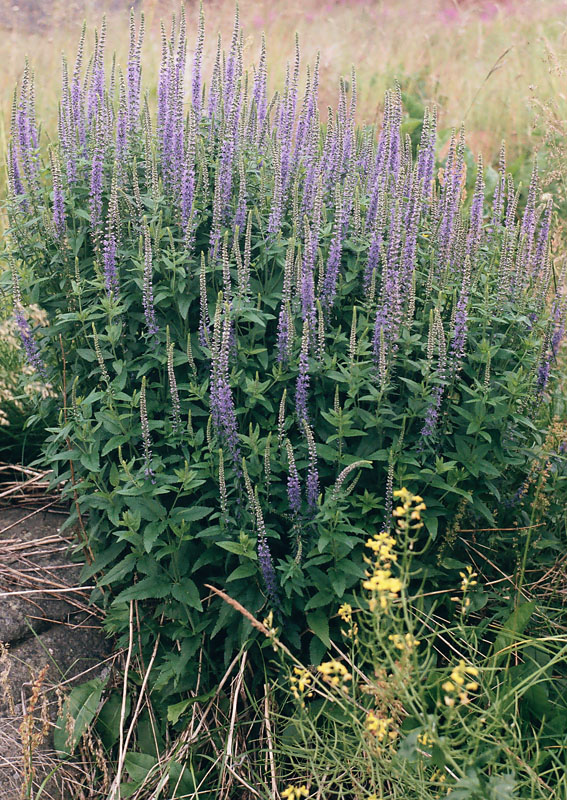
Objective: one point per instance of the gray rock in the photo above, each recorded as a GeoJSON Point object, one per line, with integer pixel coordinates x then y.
{"type": "Point", "coordinates": [30, 559]}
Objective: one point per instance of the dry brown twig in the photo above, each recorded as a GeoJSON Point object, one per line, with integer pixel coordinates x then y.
{"type": "Point", "coordinates": [234, 704]}
{"type": "Point", "coordinates": [115, 788]}
{"type": "Point", "coordinates": [270, 741]}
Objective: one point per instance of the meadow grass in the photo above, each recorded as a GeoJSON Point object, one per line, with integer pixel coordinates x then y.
{"type": "Point", "coordinates": [482, 62]}
{"type": "Point", "coordinates": [491, 64]}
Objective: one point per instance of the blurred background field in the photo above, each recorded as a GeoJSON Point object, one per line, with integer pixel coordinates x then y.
{"type": "Point", "coordinates": [488, 63]}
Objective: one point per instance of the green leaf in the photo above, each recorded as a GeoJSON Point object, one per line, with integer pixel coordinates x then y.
{"type": "Point", "coordinates": [194, 513]}
{"type": "Point", "coordinates": [184, 302]}
{"type": "Point", "coordinates": [108, 718]}
{"type": "Point", "coordinates": [152, 586]}
{"type": "Point", "coordinates": [137, 765]}
{"type": "Point", "coordinates": [175, 711]}
{"type": "Point", "coordinates": [511, 630]}
{"type": "Point", "coordinates": [232, 547]}
{"type": "Point", "coordinates": [88, 355]}
{"type": "Point", "coordinates": [501, 787]}
{"type": "Point", "coordinates": [90, 461]}
{"type": "Point", "coordinates": [317, 650]}
{"type": "Point", "coordinates": [243, 571]}
{"type": "Point", "coordinates": [319, 624]}
{"type": "Point", "coordinates": [79, 711]}
{"type": "Point", "coordinates": [186, 592]}
{"type": "Point", "coordinates": [152, 532]}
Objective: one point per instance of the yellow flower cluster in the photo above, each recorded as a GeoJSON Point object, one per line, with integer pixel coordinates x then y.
{"type": "Point", "coordinates": [467, 583]}
{"type": "Point", "coordinates": [380, 727]}
{"type": "Point", "coordinates": [408, 513]}
{"type": "Point", "coordinates": [459, 685]}
{"type": "Point", "coordinates": [425, 739]}
{"type": "Point", "coordinates": [383, 586]}
{"type": "Point", "coordinates": [272, 631]}
{"type": "Point", "coordinates": [295, 792]}
{"type": "Point", "coordinates": [345, 613]}
{"type": "Point", "coordinates": [439, 778]}
{"type": "Point", "coordinates": [381, 582]}
{"type": "Point", "coordinates": [335, 674]}
{"type": "Point", "coordinates": [405, 642]}
{"type": "Point", "coordinates": [301, 681]}
{"type": "Point", "coordinates": [382, 545]}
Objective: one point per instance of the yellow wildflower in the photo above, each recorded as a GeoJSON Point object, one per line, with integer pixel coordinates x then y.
{"type": "Point", "coordinates": [381, 545]}
{"type": "Point", "coordinates": [295, 792]}
{"type": "Point", "coordinates": [301, 681]}
{"type": "Point", "coordinates": [268, 623]}
{"type": "Point", "coordinates": [382, 581]}
{"type": "Point", "coordinates": [379, 727]}
{"type": "Point", "coordinates": [466, 583]}
{"type": "Point", "coordinates": [345, 613]}
{"type": "Point", "coordinates": [408, 513]}
{"type": "Point", "coordinates": [335, 674]}
{"type": "Point", "coordinates": [458, 683]}
{"type": "Point", "coordinates": [403, 642]}
{"type": "Point", "coordinates": [384, 585]}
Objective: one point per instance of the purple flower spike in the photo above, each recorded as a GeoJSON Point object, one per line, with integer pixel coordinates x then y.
{"type": "Point", "coordinates": [460, 329]}
{"type": "Point", "coordinates": [432, 413]}
{"type": "Point", "coordinates": [146, 438]}
{"type": "Point", "coordinates": [302, 385]}
{"type": "Point", "coordinates": [312, 472]}
{"type": "Point", "coordinates": [198, 57]}
{"type": "Point", "coordinates": [222, 402]}
{"type": "Point", "coordinates": [29, 343]}
{"type": "Point", "coordinates": [267, 569]}
{"type": "Point", "coordinates": [543, 373]}
{"type": "Point", "coordinates": [334, 260]}
{"type": "Point", "coordinates": [293, 485]}
{"type": "Point", "coordinates": [264, 555]}
{"type": "Point", "coordinates": [152, 328]}
{"type": "Point", "coordinates": [134, 72]}
{"type": "Point", "coordinates": [475, 225]}
{"type": "Point", "coordinates": [96, 180]}
{"type": "Point", "coordinates": [59, 222]}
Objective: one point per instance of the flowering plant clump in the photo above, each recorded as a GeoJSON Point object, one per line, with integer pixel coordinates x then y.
{"type": "Point", "coordinates": [23, 389]}
{"type": "Point", "coordinates": [259, 321]}
{"type": "Point", "coordinates": [432, 706]}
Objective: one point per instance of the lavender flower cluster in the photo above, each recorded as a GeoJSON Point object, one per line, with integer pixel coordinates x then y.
{"type": "Point", "coordinates": [244, 175]}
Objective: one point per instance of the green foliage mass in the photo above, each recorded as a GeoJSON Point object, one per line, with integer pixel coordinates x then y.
{"type": "Point", "coordinates": [168, 511]}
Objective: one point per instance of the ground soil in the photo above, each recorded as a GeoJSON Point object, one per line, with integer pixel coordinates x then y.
{"type": "Point", "coordinates": [51, 638]}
